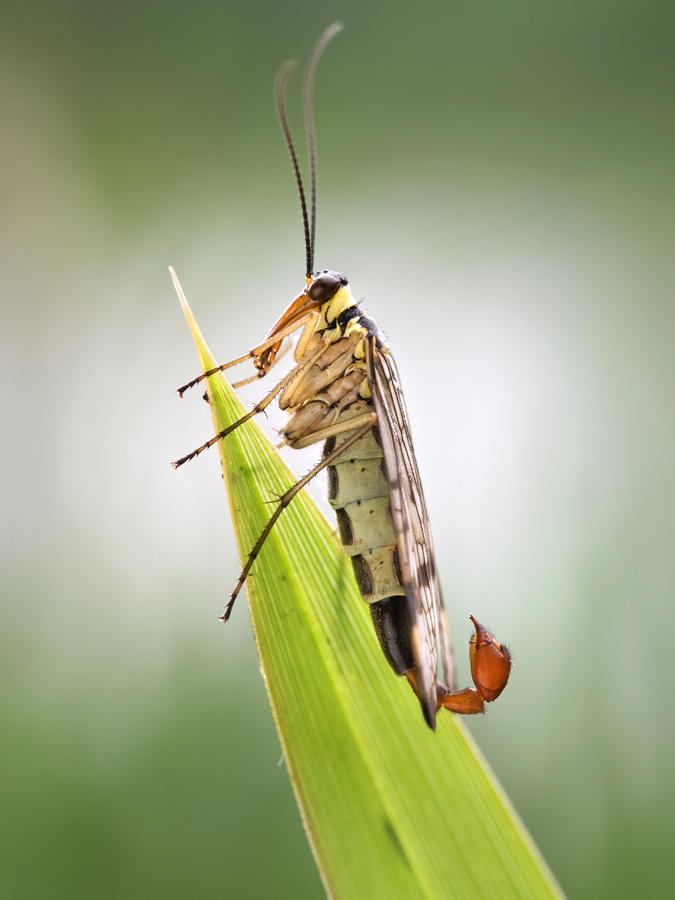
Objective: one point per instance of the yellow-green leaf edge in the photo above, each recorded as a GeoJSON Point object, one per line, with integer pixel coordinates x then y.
{"type": "Point", "coordinates": [392, 811]}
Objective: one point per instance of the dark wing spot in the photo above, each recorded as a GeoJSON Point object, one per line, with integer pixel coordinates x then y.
{"type": "Point", "coordinates": [423, 574]}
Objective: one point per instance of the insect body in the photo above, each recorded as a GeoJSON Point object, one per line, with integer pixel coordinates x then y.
{"type": "Point", "coordinates": [344, 390]}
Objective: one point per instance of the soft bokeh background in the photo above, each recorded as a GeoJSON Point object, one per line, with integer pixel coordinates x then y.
{"type": "Point", "coordinates": [497, 183]}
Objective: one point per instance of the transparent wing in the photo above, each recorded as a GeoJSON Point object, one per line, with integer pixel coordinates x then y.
{"type": "Point", "coordinates": [411, 524]}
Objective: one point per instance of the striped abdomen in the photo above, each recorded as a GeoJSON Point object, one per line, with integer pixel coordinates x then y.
{"type": "Point", "coordinates": [358, 492]}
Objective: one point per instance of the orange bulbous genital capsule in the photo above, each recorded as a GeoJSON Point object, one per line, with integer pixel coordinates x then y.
{"type": "Point", "coordinates": [490, 663]}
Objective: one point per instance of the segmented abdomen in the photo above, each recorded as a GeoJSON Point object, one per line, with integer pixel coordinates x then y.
{"type": "Point", "coordinates": [358, 492]}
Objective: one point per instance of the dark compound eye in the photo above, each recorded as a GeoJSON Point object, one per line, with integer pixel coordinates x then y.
{"type": "Point", "coordinates": [324, 286]}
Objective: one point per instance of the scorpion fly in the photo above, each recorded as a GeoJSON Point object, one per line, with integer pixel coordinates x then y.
{"type": "Point", "coordinates": [344, 390]}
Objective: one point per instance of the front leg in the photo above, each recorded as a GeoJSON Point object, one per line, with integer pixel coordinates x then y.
{"type": "Point", "coordinates": [268, 347]}
{"type": "Point", "coordinates": [297, 372]}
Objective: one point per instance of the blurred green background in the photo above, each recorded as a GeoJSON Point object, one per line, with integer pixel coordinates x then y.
{"type": "Point", "coordinates": [496, 180]}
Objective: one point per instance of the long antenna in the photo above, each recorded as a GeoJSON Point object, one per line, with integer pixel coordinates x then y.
{"type": "Point", "coordinates": [321, 44]}
{"type": "Point", "coordinates": [280, 89]}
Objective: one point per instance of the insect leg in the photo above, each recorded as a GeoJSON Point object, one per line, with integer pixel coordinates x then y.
{"type": "Point", "coordinates": [234, 362]}
{"type": "Point", "coordinates": [286, 498]}
{"type": "Point", "coordinates": [300, 350]}
{"type": "Point", "coordinates": [259, 407]}
{"type": "Point", "coordinates": [333, 430]}
{"type": "Point", "coordinates": [251, 354]}
{"type": "Point", "coordinates": [258, 375]}
{"type": "Point", "coordinates": [278, 338]}
{"type": "Point", "coordinates": [305, 337]}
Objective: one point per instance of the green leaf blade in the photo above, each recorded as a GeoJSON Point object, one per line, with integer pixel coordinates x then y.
{"type": "Point", "coordinates": [391, 809]}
